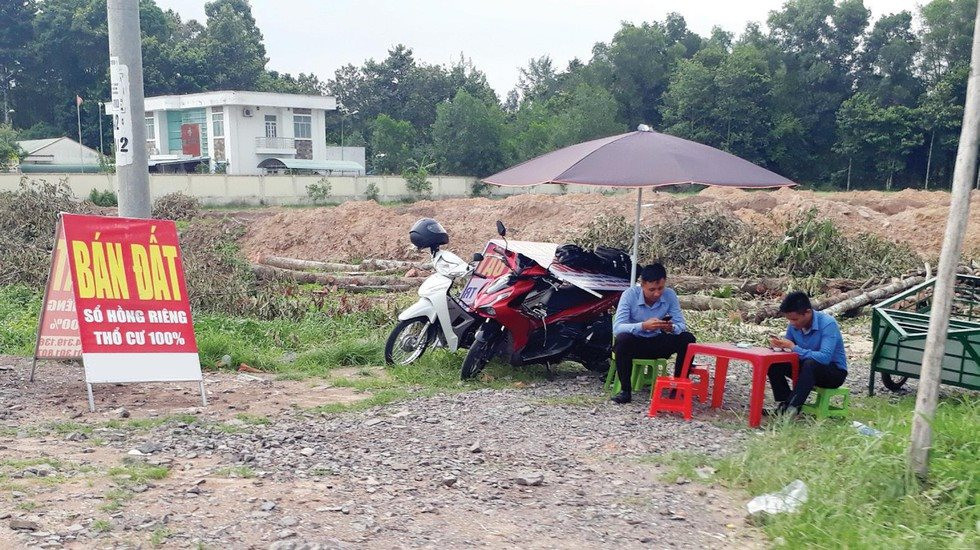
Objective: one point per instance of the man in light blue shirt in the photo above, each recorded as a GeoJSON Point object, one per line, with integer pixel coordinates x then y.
{"type": "Point", "coordinates": [816, 338]}
{"type": "Point", "coordinates": [649, 324]}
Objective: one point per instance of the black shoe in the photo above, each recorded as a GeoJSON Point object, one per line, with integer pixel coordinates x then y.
{"type": "Point", "coordinates": [622, 398]}
{"type": "Point", "coordinates": [785, 409]}
{"type": "Point", "coordinates": [775, 411]}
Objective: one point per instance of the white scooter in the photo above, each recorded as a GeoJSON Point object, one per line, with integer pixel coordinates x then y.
{"type": "Point", "coordinates": [438, 319]}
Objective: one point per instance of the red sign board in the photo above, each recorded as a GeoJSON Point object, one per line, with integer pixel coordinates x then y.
{"type": "Point", "coordinates": [190, 139]}
{"type": "Point", "coordinates": [58, 336]}
{"type": "Point", "coordinates": [130, 301]}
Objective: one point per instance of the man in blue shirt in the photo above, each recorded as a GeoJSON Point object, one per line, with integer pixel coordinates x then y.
{"type": "Point", "coordinates": [648, 325]}
{"type": "Point", "coordinates": [816, 338]}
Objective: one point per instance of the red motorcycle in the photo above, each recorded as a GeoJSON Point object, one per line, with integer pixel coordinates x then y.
{"type": "Point", "coordinates": [533, 317]}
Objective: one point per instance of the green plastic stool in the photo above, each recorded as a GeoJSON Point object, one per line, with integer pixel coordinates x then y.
{"type": "Point", "coordinates": [645, 373]}
{"type": "Point", "coordinates": [822, 408]}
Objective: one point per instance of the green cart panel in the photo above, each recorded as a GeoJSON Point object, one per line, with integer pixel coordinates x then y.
{"type": "Point", "coordinates": [899, 327]}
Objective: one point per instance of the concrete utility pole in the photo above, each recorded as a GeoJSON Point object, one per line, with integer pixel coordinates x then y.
{"type": "Point", "coordinates": [129, 126]}
{"type": "Point", "coordinates": [959, 210]}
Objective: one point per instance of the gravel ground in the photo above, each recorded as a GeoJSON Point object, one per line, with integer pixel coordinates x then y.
{"type": "Point", "coordinates": [553, 465]}
{"type": "Point", "coordinates": [550, 465]}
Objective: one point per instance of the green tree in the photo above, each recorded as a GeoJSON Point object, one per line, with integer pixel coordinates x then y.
{"type": "Point", "coordinates": [392, 142]}
{"type": "Point", "coordinates": [469, 136]}
{"type": "Point", "coordinates": [940, 114]}
{"type": "Point", "coordinates": [233, 46]}
{"type": "Point", "coordinates": [404, 89]}
{"type": "Point", "coordinates": [591, 112]}
{"type": "Point", "coordinates": [947, 33]}
{"type": "Point", "coordinates": [636, 65]}
{"type": "Point", "coordinates": [885, 136]}
{"type": "Point", "coordinates": [15, 40]}
{"type": "Point", "coordinates": [285, 83]}
{"type": "Point", "coordinates": [10, 151]}
{"type": "Point", "coordinates": [538, 81]}
{"type": "Point", "coordinates": [817, 42]}
{"type": "Point", "coordinates": [946, 37]}
{"type": "Point", "coordinates": [67, 57]}
{"type": "Point", "coordinates": [886, 65]}
{"type": "Point", "coordinates": [416, 175]}
{"type": "Point", "coordinates": [723, 99]}
{"type": "Point", "coordinates": [534, 129]}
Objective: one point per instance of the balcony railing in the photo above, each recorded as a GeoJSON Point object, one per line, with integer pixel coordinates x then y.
{"type": "Point", "coordinates": [277, 143]}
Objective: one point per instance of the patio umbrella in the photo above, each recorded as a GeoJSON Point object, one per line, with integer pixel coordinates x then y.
{"type": "Point", "coordinates": [639, 160]}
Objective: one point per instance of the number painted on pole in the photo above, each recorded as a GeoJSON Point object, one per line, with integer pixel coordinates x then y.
{"type": "Point", "coordinates": [122, 113]}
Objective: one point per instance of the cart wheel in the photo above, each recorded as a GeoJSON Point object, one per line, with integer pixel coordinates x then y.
{"type": "Point", "coordinates": [893, 383]}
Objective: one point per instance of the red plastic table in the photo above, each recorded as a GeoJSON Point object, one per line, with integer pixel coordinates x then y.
{"type": "Point", "coordinates": [760, 359]}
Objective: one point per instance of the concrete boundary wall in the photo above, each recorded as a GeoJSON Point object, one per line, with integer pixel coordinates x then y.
{"type": "Point", "coordinates": [220, 189]}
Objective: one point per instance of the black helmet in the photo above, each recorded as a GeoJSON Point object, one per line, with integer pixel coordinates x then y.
{"type": "Point", "coordinates": [428, 233]}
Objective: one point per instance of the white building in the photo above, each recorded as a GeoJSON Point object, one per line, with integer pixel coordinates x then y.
{"type": "Point", "coordinates": [238, 130]}
{"type": "Point", "coordinates": [56, 152]}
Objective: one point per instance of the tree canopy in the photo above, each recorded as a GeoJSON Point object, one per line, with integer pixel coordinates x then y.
{"type": "Point", "coordinates": [820, 91]}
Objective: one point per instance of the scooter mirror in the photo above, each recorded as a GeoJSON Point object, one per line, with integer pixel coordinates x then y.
{"type": "Point", "coordinates": [501, 230]}
{"type": "Point", "coordinates": [477, 257]}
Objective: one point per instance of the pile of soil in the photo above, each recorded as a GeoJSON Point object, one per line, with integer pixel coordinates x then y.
{"type": "Point", "coordinates": [365, 229]}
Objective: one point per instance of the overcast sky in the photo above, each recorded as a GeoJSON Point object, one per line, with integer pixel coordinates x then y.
{"type": "Point", "coordinates": [499, 36]}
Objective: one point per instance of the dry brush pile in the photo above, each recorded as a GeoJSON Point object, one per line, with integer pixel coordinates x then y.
{"type": "Point", "coordinates": [713, 242]}
{"type": "Point", "coordinates": [219, 280]}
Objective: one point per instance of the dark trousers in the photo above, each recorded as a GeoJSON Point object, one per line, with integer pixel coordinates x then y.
{"type": "Point", "coordinates": [811, 374]}
{"type": "Point", "coordinates": [662, 346]}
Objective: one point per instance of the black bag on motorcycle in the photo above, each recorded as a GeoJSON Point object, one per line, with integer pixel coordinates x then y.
{"type": "Point", "coordinates": [614, 261]}
{"type": "Point", "coordinates": [576, 257]}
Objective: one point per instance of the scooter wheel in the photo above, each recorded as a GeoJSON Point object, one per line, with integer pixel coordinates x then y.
{"type": "Point", "coordinates": [408, 341]}
{"type": "Point", "coordinates": [477, 357]}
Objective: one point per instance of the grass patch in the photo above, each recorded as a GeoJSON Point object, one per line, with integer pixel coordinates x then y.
{"type": "Point", "coordinates": [27, 506]}
{"type": "Point", "coordinates": [244, 472]}
{"type": "Point", "coordinates": [142, 424]}
{"type": "Point", "coordinates": [114, 499]}
{"type": "Point", "coordinates": [678, 464]}
{"type": "Point", "coordinates": [21, 463]}
{"type": "Point", "coordinates": [67, 427]}
{"type": "Point", "coordinates": [138, 472]}
{"type": "Point", "coordinates": [860, 495]}
{"type": "Point", "coordinates": [382, 397]}
{"type": "Point", "coordinates": [19, 308]}
{"type": "Point", "coordinates": [101, 526]}
{"type": "Point", "coordinates": [160, 536]}
{"type": "Point", "coordinates": [254, 419]}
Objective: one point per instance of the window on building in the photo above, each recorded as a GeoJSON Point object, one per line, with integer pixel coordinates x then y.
{"type": "Point", "coordinates": [218, 124]}
{"type": "Point", "coordinates": [271, 129]}
{"type": "Point", "coordinates": [151, 125]}
{"type": "Point", "coordinates": [302, 126]}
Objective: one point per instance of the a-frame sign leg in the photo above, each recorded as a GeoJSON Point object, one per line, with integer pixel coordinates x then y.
{"type": "Point", "coordinates": [91, 399]}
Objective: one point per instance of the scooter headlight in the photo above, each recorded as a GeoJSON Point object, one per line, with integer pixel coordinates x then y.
{"type": "Point", "coordinates": [501, 298]}
{"type": "Point", "coordinates": [498, 284]}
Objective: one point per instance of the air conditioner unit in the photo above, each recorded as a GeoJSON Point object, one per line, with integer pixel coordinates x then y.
{"type": "Point", "coordinates": [247, 111]}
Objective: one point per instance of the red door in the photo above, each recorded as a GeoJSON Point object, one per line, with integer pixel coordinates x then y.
{"type": "Point", "coordinates": [190, 139]}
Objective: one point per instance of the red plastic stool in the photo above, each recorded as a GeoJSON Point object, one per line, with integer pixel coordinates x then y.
{"type": "Point", "coordinates": [701, 387]}
{"type": "Point", "coordinates": [680, 403]}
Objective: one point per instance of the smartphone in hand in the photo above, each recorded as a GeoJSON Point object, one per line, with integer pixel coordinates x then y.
{"type": "Point", "coordinates": [667, 318]}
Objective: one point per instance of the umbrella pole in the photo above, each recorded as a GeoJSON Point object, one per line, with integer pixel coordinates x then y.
{"type": "Point", "coordinates": [636, 235]}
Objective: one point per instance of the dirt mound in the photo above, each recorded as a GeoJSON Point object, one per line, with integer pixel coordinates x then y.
{"type": "Point", "coordinates": [365, 229]}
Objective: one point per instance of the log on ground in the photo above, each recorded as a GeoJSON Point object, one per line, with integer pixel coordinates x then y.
{"type": "Point", "coordinates": [269, 272]}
